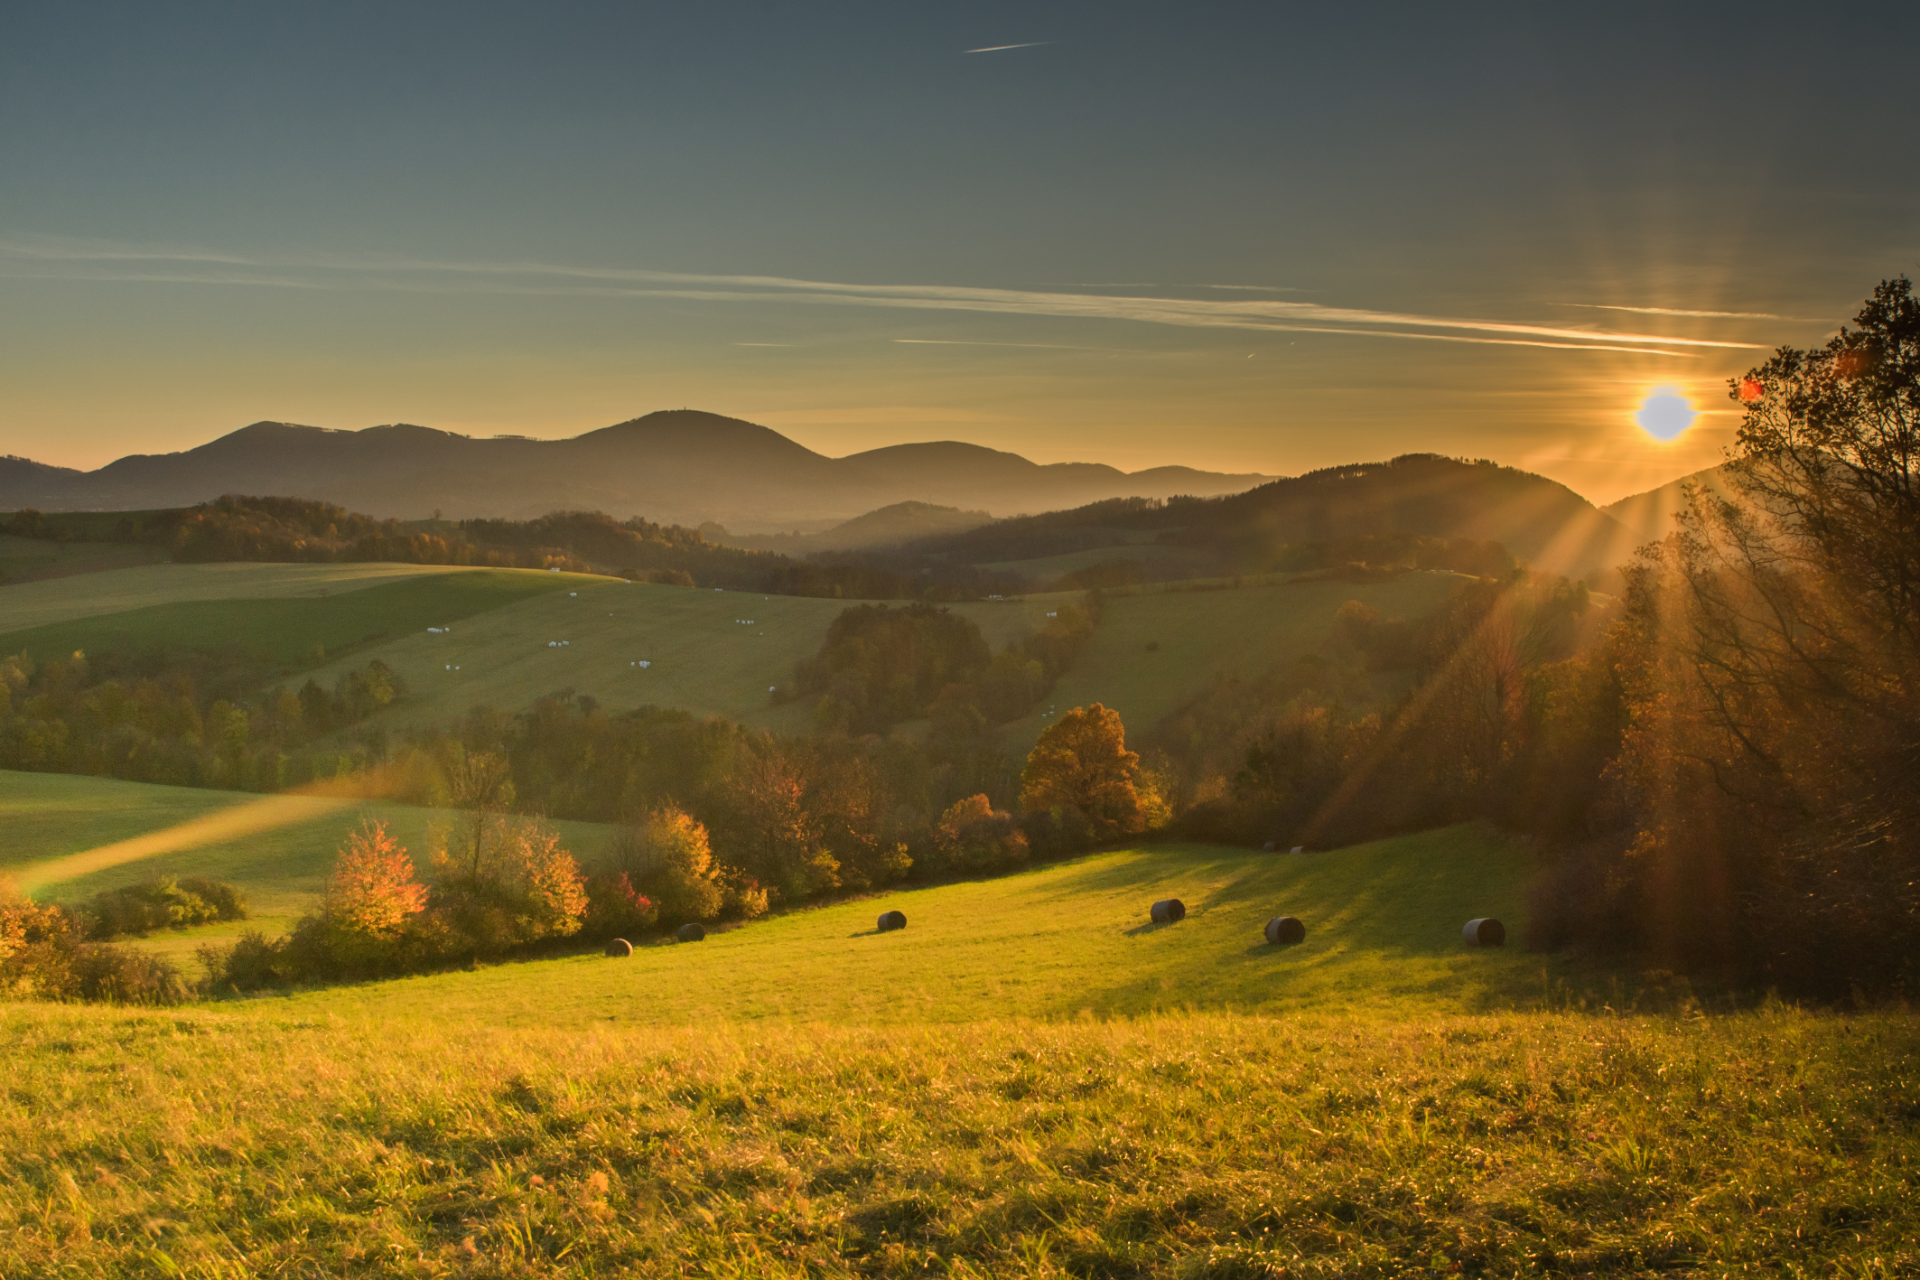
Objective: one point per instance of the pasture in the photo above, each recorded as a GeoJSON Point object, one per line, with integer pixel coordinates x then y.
{"type": "Point", "coordinates": [37, 604]}
{"type": "Point", "coordinates": [1157, 647]}
{"type": "Point", "coordinates": [291, 629]}
{"type": "Point", "coordinates": [505, 651]}
{"type": "Point", "coordinates": [1023, 1082]}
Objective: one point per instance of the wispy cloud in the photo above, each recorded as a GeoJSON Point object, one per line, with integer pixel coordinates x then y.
{"type": "Point", "coordinates": [1677, 311]}
{"type": "Point", "coordinates": [45, 258]}
{"type": "Point", "coordinates": [1002, 48]}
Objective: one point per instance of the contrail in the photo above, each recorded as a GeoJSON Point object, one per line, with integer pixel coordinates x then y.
{"type": "Point", "coordinates": [1260, 314]}
{"type": "Point", "coordinates": [999, 48]}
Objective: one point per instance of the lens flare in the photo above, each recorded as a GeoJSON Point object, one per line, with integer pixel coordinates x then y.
{"type": "Point", "coordinates": [1665, 413]}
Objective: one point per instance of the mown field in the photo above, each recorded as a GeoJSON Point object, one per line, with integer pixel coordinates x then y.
{"type": "Point", "coordinates": [1027, 1081]}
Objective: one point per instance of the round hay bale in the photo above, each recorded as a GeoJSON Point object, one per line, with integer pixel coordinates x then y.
{"type": "Point", "coordinates": [891, 920]}
{"type": "Point", "coordinates": [1268, 847]}
{"type": "Point", "coordinates": [620, 947]}
{"type": "Point", "coordinates": [1168, 910]}
{"type": "Point", "coordinates": [1485, 931]}
{"type": "Point", "coordinates": [1285, 931]}
{"type": "Point", "coordinates": [692, 931]}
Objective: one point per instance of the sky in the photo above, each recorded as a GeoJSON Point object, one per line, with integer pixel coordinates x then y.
{"type": "Point", "coordinates": [1246, 237]}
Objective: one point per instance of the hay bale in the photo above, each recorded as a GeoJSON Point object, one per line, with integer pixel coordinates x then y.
{"type": "Point", "coordinates": [1167, 911]}
{"type": "Point", "coordinates": [1285, 931]}
{"type": "Point", "coordinates": [1268, 848]}
{"type": "Point", "coordinates": [891, 920]}
{"type": "Point", "coordinates": [692, 931]}
{"type": "Point", "coordinates": [1485, 931]}
{"type": "Point", "coordinates": [620, 948]}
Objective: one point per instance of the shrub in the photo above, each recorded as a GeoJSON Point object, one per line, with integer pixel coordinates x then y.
{"type": "Point", "coordinates": [972, 836]}
{"type": "Point", "coordinates": [162, 903]}
{"type": "Point", "coordinates": [43, 957]}
{"type": "Point", "coordinates": [615, 909]}
{"type": "Point", "coordinates": [669, 859]}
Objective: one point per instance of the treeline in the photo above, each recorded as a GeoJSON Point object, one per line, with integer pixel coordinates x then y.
{"type": "Point", "coordinates": [192, 721]}
{"type": "Point", "coordinates": [879, 666]}
{"type": "Point", "coordinates": [300, 530]}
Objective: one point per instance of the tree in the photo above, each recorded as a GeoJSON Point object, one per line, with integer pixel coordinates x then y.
{"type": "Point", "coordinates": [1081, 766]}
{"type": "Point", "coordinates": [1773, 751]}
{"type": "Point", "coordinates": [668, 859]}
{"type": "Point", "coordinates": [372, 891]}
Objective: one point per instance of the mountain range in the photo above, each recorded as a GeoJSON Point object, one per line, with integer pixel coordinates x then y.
{"type": "Point", "coordinates": [679, 466]}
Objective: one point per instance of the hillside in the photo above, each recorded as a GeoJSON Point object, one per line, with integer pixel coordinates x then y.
{"type": "Point", "coordinates": [702, 656]}
{"type": "Point", "coordinates": [678, 466]}
{"type": "Point", "coordinates": [1649, 516]}
{"type": "Point", "coordinates": [1535, 518]}
{"type": "Point", "coordinates": [1028, 1080]}
{"type": "Point", "coordinates": [887, 527]}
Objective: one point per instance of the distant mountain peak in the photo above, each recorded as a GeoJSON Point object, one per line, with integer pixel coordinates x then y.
{"type": "Point", "coordinates": [684, 466]}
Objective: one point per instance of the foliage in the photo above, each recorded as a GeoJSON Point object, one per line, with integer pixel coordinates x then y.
{"type": "Point", "coordinates": [973, 837]}
{"type": "Point", "coordinates": [183, 723]}
{"type": "Point", "coordinates": [669, 860]}
{"type": "Point", "coordinates": [166, 902]}
{"type": "Point", "coordinates": [1770, 662]}
{"type": "Point", "coordinates": [1080, 773]}
{"type": "Point", "coordinates": [615, 909]}
{"type": "Point", "coordinates": [377, 920]}
{"type": "Point", "coordinates": [878, 665]}
{"type": "Point", "coordinates": [372, 890]}
{"type": "Point", "coordinates": [44, 956]}
{"type": "Point", "coordinates": [236, 527]}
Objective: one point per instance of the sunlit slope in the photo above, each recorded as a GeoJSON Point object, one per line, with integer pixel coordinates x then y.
{"type": "Point", "coordinates": [1199, 635]}
{"type": "Point", "coordinates": [36, 604]}
{"type": "Point", "coordinates": [1383, 925]}
{"type": "Point", "coordinates": [46, 819]}
{"type": "Point", "coordinates": [708, 652]}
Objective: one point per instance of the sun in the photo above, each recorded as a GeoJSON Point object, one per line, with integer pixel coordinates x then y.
{"type": "Point", "coordinates": [1665, 413]}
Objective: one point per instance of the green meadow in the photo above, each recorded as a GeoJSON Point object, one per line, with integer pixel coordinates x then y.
{"type": "Point", "coordinates": [49, 822]}
{"type": "Point", "coordinates": [708, 652]}
{"type": "Point", "coordinates": [25, 605]}
{"type": "Point", "coordinates": [292, 629]}
{"type": "Point", "coordinates": [1029, 1080]}
{"type": "Point", "coordinates": [1157, 647]}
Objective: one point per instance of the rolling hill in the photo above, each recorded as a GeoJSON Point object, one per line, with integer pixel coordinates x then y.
{"type": "Point", "coordinates": [1536, 519]}
{"type": "Point", "coordinates": [1649, 516]}
{"type": "Point", "coordinates": [1029, 1080]}
{"type": "Point", "coordinates": [702, 655]}
{"type": "Point", "coordinates": [679, 466]}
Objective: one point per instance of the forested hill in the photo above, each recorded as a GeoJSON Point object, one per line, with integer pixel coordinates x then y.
{"type": "Point", "coordinates": [679, 467]}
{"type": "Point", "coordinates": [1424, 495]}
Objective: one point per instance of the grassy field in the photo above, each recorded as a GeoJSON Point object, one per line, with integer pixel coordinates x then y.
{"type": "Point", "coordinates": [1156, 648]}
{"type": "Point", "coordinates": [49, 818]}
{"type": "Point", "coordinates": [1024, 1082]}
{"type": "Point", "coordinates": [37, 604]}
{"type": "Point", "coordinates": [34, 558]}
{"type": "Point", "coordinates": [702, 657]}
{"type": "Point", "coordinates": [290, 628]}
